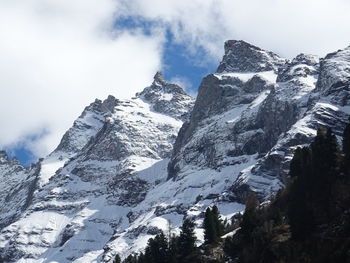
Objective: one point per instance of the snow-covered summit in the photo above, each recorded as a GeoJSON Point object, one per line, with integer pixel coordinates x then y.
{"type": "Point", "coordinates": [128, 169]}
{"type": "Point", "coordinates": [86, 126]}
{"type": "Point", "coordinates": [241, 111]}
{"type": "Point", "coordinates": [167, 98]}
{"type": "Point", "coordinates": [241, 56]}
{"type": "Point", "coordinates": [79, 195]}
{"type": "Point", "coordinates": [17, 184]}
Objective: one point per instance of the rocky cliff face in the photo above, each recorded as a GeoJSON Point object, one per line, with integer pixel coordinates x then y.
{"type": "Point", "coordinates": [129, 169]}
{"type": "Point", "coordinates": [17, 187]}
{"type": "Point", "coordinates": [86, 189]}
{"type": "Point", "coordinates": [262, 111]}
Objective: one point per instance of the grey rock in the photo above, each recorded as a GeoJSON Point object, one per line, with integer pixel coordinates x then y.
{"type": "Point", "coordinates": [104, 190]}
{"type": "Point", "coordinates": [167, 98]}
{"type": "Point", "coordinates": [241, 56]}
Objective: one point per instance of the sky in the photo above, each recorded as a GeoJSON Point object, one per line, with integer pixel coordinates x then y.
{"type": "Point", "coordinates": [58, 56]}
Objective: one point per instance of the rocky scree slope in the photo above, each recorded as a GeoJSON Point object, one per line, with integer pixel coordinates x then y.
{"type": "Point", "coordinates": [124, 171]}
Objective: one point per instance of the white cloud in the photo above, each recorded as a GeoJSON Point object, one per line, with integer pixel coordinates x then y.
{"type": "Point", "coordinates": [287, 27]}
{"type": "Point", "coordinates": [184, 83]}
{"type": "Point", "coordinates": [57, 57]}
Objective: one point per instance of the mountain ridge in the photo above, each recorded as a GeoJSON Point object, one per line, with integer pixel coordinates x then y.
{"type": "Point", "coordinates": [128, 169]}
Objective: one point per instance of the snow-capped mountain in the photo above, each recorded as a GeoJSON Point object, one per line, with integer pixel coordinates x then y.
{"type": "Point", "coordinates": [128, 169]}
{"type": "Point", "coordinates": [85, 190]}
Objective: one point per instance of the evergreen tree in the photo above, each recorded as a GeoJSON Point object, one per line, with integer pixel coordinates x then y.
{"type": "Point", "coordinates": [131, 259]}
{"type": "Point", "coordinates": [314, 207]}
{"type": "Point", "coordinates": [161, 248]}
{"type": "Point", "coordinates": [210, 234]}
{"type": "Point", "coordinates": [346, 148]}
{"type": "Point", "coordinates": [296, 165]}
{"type": "Point", "coordinates": [213, 227]}
{"type": "Point", "coordinates": [313, 170]}
{"type": "Point", "coordinates": [219, 226]}
{"type": "Point", "coordinates": [173, 250]}
{"type": "Point", "coordinates": [117, 259]}
{"type": "Point", "coordinates": [299, 212]}
{"type": "Point", "coordinates": [325, 156]}
{"type": "Point", "coordinates": [156, 250]}
{"type": "Point", "coordinates": [232, 247]}
{"type": "Point", "coordinates": [141, 258]}
{"type": "Point", "coordinates": [187, 240]}
{"type": "Point", "coordinates": [250, 217]}
{"type": "Point", "coordinates": [300, 218]}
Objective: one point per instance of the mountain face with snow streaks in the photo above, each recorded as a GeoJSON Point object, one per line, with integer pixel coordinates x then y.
{"type": "Point", "coordinates": [89, 184]}
{"type": "Point", "coordinates": [128, 169]}
{"type": "Point", "coordinates": [17, 187]}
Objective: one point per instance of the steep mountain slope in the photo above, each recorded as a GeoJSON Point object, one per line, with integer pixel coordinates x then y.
{"type": "Point", "coordinates": [17, 187]}
{"type": "Point", "coordinates": [228, 125]}
{"type": "Point", "coordinates": [261, 113]}
{"type": "Point", "coordinates": [88, 185]}
{"type": "Point", "coordinates": [126, 170]}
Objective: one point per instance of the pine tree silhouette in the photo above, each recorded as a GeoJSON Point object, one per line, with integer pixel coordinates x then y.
{"type": "Point", "coordinates": [187, 239]}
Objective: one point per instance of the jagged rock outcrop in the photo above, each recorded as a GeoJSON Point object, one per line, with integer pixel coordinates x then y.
{"type": "Point", "coordinates": [17, 186]}
{"type": "Point", "coordinates": [125, 170]}
{"type": "Point", "coordinates": [86, 126]}
{"type": "Point", "coordinates": [94, 178]}
{"type": "Point", "coordinates": [261, 115]}
{"type": "Point", "coordinates": [241, 56]}
{"type": "Point", "coordinates": [229, 102]}
{"type": "Point", "coordinates": [167, 98]}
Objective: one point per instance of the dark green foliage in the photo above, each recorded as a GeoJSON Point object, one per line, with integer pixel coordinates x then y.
{"type": "Point", "coordinates": [307, 222]}
{"type": "Point", "coordinates": [299, 214]}
{"type": "Point", "coordinates": [131, 259]}
{"type": "Point", "coordinates": [141, 258]}
{"type": "Point", "coordinates": [296, 165]}
{"type": "Point", "coordinates": [219, 225]}
{"type": "Point", "coordinates": [324, 151]}
{"type": "Point", "coordinates": [346, 148]}
{"type": "Point", "coordinates": [250, 217]}
{"type": "Point", "coordinates": [157, 249]}
{"type": "Point", "coordinates": [232, 247]}
{"type": "Point", "coordinates": [313, 171]}
{"type": "Point", "coordinates": [213, 227]}
{"type": "Point", "coordinates": [173, 251]}
{"type": "Point", "coordinates": [160, 249]}
{"type": "Point", "coordinates": [117, 259]}
{"type": "Point", "coordinates": [187, 240]}
{"type": "Point", "coordinates": [210, 234]}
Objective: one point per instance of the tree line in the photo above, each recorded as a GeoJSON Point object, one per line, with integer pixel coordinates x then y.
{"type": "Point", "coordinates": [306, 222]}
{"type": "Point", "coordinates": [182, 248]}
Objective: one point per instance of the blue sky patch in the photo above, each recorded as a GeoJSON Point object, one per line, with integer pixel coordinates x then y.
{"type": "Point", "coordinates": [178, 62]}
{"type": "Point", "coordinates": [179, 65]}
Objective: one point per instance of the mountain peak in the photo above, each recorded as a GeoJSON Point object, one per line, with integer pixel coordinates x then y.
{"type": "Point", "coordinates": [86, 126]}
{"type": "Point", "coordinates": [6, 159]}
{"type": "Point", "coordinates": [3, 156]}
{"type": "Point", "coordinates": [240, 44]}
{"type": "Point", "coordinates": [241, 56]}
{"type": "Point", "coordinates": [105, 190]}
{"type": "Point", "coordinates": [159, 78]}
{"type": "Point", "coordinates": [160, 86]}
{"type": "Point", "coordinates": [168, 98]}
